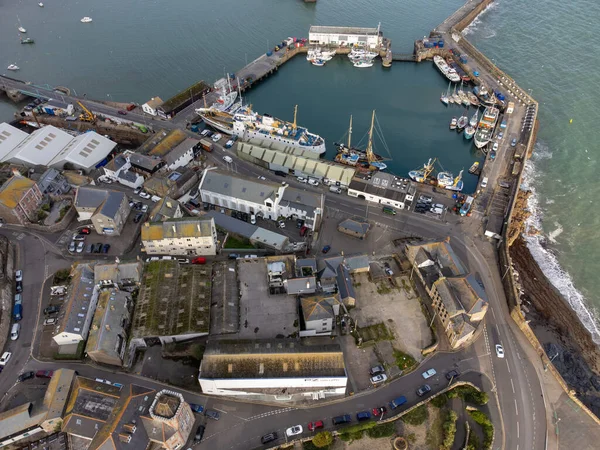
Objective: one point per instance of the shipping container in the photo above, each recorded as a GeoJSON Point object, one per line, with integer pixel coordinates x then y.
{"type": "Point", "coordinates": [207, 144]}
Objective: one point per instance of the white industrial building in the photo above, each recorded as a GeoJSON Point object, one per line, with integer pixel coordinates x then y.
{"type": "Point", "coordinates": [52, 147]}
{"type": "Point", "coordinates": [345, 36]}
{"type": "Point", "coordinates": [264, 198]}
{"type": "Point", "coordinates": [384, 189]}
{"type": "Point", "coordinates": [193, 237]}
{"type": "Point", "coordinates": [181, 155]}
{"type": "Point", "coordinates": [273, 369]}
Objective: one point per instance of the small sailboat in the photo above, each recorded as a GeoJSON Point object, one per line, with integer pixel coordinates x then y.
{"type": "Point", "coordinates": [363, 63]}
{"type": "Point", "coordinates": [13, 67]}
{"type": "Point", "coordinates": [444, 97]}
{"type": "Point", "coordinates": [463, 121]}
{"type": "Point", "coordinates": [456, 97]}
{"type": "Point", "coordinates": [318, 62]}
{"type": "Point", "coordinates": [40, 4]}
{"type": "Point", "coordinates": [86, 19]}
{"type": "Point", "coordinates": [473, 99]}
{"type": "Point", "coordinates": [27, 41]}
{"type": "Point", "coordinates": [453, 123]}
{"type": "Point", "coordinates": [474, 119]}
{"type": "Point", "coordinates": [469, 132]}
{"type": "Point", "coordinates": [22, 30]}
{"type": "Point", "coordinates": [450, 96]}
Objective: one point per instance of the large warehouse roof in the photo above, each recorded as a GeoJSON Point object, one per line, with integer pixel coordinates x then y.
{"type": "Point", "coordinates": [10, 137]}
{"type": "Point", "coordinates": [84, 151]}
{"type": "Point", "coordinates": [343, 30]}
{"type": "Point", "coordinates": [40, 147]}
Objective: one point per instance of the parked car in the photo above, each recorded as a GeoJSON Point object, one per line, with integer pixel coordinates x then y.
{"type": "Point", "coordinates": [499, 351]}
{"type": "Point", "coordinates": [216, 137]}
{"type": "Point", "coordinates": [199, 260]}
{"type": "Point", "coordinates": [4, 358]}
{"type": "Point", "coordinates": [137, 190]}
{"type": "Point", "coordinates": [44, 373]}
{"type": "Point", "coordinates": [80, 246]}
{"type": "Point", "coordinates": [98, 247]}
{"type": "Point", "coordinates": [302, 180]}
{"type": "Point", "coordinates": [425, 198]}
{"type": "Point", "coordinates": [279, 173]}
{"type": "Point", "coordinates": [123, 113]}
{"type": "Point", "coordinates": [429, 373]}
{"type": "Point", "coordinates": [339, 420]}
{"type": "Point", "coordinates": [105, 248]}
{"type": "Point", "coordinates": [85, 230]}
{"type": "Point", "coordinates": [50, 321]}
{"type": "Point", "coordinates": [453, 374]}
{"type": "Point", "coordinates": [253, 219]}
{"type": "Point", "coordinates": [495, 147]}
{"type": "Point", "coordinates": [196, 408]}
{"type": "Point", "coordinates": [293, 431]}
{"type": "Point", "coordinates": [484, 182]}
{"type": "Point", "coordinates": [312, 426]}
{"type": "Point", "coordinates": [376, 370]}
{"type": "Point", "coordinates": [25, 376]}
{"type": "Point", "coordinates": [326, 248]}
{"type": "Point", "coordinates": [51, 309]}
{"type": "Point", "coordinates": [379, 411]}
{"type": "Point", "coordinates": [398, 402]}
{"type": "Point", "coordinates": [89, 248]}
{"type": "Point", "coordinates": [313, 182]}
{"type": "Point", "coordinates": [138, 217]}
{"type": "Point", "coordinates": [363, 415]}
{"type": "Point", "coordinates": [145, 195]}
{"type": "Point", "coordinates": [14, 331]}
{"type": "Point", "coordinates": [19, 275]}
{"type": "Point", "coordinates": [281, 224]}
{"type": "Point", "coordinates": [227, 159]}
{"type": "Point", "coordinates": [260, 177]}
{"type": "Point", "coordinates": [423, 390]}
{"type": "Point", "coordinates": [233, 256]}
{"type": "Point", "coordinates": [144, 208]}
{"type": "Point", "coordinates": [303, 230]}
{"type": "Point", "coordinates": [212, 414]}
{"type": "Point", "coordinates": [513, 143]}
{"type": "Point", "coordinates": [19, 286]}
{"type": "Point", "coordinates": [79, 237]}
{"type": "Point", "coordinates": [270, 437]}
{"type": "Point", "coordinates": [72, 247]}
{"type": "Point", "coordinates": [378, 379]}
{"type": "Point", "coordinates": [389, 272]}
{"type": "Point", "coordinates": [199, 433]}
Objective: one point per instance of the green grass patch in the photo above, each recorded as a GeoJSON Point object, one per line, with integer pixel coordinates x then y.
{"type": "Point", "coordinates": [383, 430]}
{"type": "Point", "coordinates": [449, 427]}
{"type": "Point", "coordinates": [469, 394]}
{"type": "Point", "coordinates": [354, 436]}
{"type": "Point", "coordinates": [377, 332]}
{"type": "Point", "coordinates": [439, 401]}
{"type": "Point", "coordinates": [417, 416]}
{"type": "Point", "coordinates": [435, 433]}
{"type": "Point", "coordinates": [474, 442]}
{"type": "Point", "coordinates": [404, 361]}
{"type": "Point", "coordinates": [383, 289]}
{"type": "Point", "coordinates": [234, 242]}
{"type": "Point", "coordinates": [486, 426]}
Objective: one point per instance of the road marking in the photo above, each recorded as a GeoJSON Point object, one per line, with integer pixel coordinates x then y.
{"type": "Point", "coordinates": [517, 410]}
{"type": "Point", "coordinates": [508, 366]}
{"type": "Point", "coordinates": [517, 430]}
{"type": "Point", "coordinates": [513, 385]}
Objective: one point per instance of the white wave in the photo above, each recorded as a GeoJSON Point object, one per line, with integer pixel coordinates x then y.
{"type": "Point", "coordinates": [477, 21]}
{"type": "Point", "coordinates": [545, 258]}
{"type": "Point", "coordinates": [549, 201]}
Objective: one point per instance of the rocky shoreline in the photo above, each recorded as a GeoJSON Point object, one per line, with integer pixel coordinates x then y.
{"type": "Point", "coordinates": [558, 328]}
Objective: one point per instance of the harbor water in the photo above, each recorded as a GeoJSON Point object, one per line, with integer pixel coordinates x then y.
{"type": "Point", "coordinates": [135, 50]}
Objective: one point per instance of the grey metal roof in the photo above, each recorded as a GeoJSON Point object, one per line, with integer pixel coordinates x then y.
{"type": "Point", "coordinates": [144, 162]}
{"type": "Point", "coordinates": [251, 190]}
{"type": "Point", "coordinates": [128, 176]}
{"type": "Point", "coordinates": [344, 282]}
{"type": "Point", "coordinates": [301, 197]}
{"type": "Point", "coordinates": [108, 333]}
{"type": "Point", "coordinates": [304, 285]}
{"type": "Point", "coordinates": [56, 104]}
{"type": "Point", "coordinates": [180, 150]}
{"type": "Point", "coordinates": [111, 205]}
{"type": "Point", "coordinates": [343, 30]}
{"type": "Point", "coordinates": [89, 197]}
{"type": "Point", "coordinates": [266, 237]}
{"type": "Point", "coordinates": [80, 296]}
{"type": "Point", "coordinates": [356, 226]}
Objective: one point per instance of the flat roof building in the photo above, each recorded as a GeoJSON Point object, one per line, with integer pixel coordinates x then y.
{"type": "Point", "coordinates": [345, 36]}
{"type": "Point", "coordinates": [272, 369]}
{"type": "Point", "coordinates": [10, 137]}
{"type": "Point", "coordinates": [384, 189]}
{"type": "Point", "coordinates": [184, 236]}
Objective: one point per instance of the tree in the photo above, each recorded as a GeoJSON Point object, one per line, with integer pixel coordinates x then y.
{"type": "Point", "coordinates": [323, 439]}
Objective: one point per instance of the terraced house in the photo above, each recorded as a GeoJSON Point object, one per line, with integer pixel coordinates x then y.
{"type": "Point", "coordinates": [185, 236]}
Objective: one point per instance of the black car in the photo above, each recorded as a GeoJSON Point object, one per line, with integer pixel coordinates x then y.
{"type": "Point", "coordinates": [25, 376]}
{"type": "Point", "coordinates": [269, 438]}
{"type": "Point", "coordinates": [453, 374]}
{"type": "Point", "coordinates": [98, 247]}
{"type": "Point", "coordinates": [215, 415]}
{"type": "Point", "coordinates": [299, 223]}
{"type": "Point", "coordinates": [245, 217]}
{"type": "Point", "coordinates": [206, 206]}
{"type": "Point", "coordinates": [279, 173]}
{"type": "Point", "coordinates": [19, 287]}
{"type": "Point", "coordinates": [423, 390]}
{"type": "Point", "coordinates": [138, 217]}
{"type": "Point", "coordinates": [52, 309]}
{"type": "Point", "coordinates": [105, 248]}
{"type": "Point", "coordinates": [376, 370]}
{"type": "Point", "coordinates": [233, 256]}
{"type": "Point", "coordinates": [199, 433]}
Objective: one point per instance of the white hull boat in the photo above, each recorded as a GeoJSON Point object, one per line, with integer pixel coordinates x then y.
{"type": "Point", "coordinates": [13, 67]}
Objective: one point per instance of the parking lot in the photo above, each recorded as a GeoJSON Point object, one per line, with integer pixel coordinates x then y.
{"type": "Point", "coordinates": [225, 300]}
{"type": "Point", "coordinates": [263, 315]}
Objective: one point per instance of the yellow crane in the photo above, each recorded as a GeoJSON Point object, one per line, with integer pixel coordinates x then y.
{"type": "Point", "coordinates": [87, 116]}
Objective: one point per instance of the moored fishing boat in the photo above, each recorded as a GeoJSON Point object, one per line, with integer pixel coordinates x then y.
{"type": "Point", "coordinates": [446, 70]}
{"type": "Point", "coordinates": [469, 132]}
{"type": "Point", "coordinates": [457, 184]}
{"type": "Point", "coordinates": [317, 62]}
{"type": "Point", "coordinates": [27, 41]}
{"type": "Point", "coordinates": [453, 123]}
{"type": "Point", "coordinates": [474, 169]}
{"type": "Point", "coordinates": [367, 160]}
{"type": "Point", "coordinates": [361, 63]}
{"type": "Point", "coordinates": [421, 175]}
{"type": "Point", "coordinates": [445, 179]}
{"type": "Point", "coordinates": [486, 126]}
{"type": "Point", "coordinates": [462, 122]}
{"type": "Point", "coordinates": [474, 119]}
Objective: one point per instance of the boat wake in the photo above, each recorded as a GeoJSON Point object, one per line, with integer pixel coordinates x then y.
{"type": "Point", "coordinates": [477, 21]}
{"type": "Point", "coordinates": [545, 257]}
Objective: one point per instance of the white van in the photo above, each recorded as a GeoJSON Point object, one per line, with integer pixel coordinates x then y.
{"type": "Point", "coordinates": [227, 159]}
{"type": "Point", "coordinates": [14, 331]}
{"type": "Point", "coordinates": [253, 219]}
{"type": "Point", "coordinates": [335, 189]}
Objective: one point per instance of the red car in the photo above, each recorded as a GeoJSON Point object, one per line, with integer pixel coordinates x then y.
{"type": "Point", "coordinates": [315, 425]}
{"type": "Point", "coordinates": [379, 411]}
{"type": "Point", "coordinates": [44, 373]}
{"type": "Point", "coordinates": [85, 231]}
{"type": "Point", "coordinates": [199, 260]}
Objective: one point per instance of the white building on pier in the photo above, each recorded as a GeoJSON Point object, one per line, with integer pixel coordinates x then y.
{"type": "Point", "coordinates": [345, 36]}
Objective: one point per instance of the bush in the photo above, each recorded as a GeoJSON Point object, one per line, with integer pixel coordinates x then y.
{"type": "Point", "coordinates": [403, 360]}
{"type": "Point", "coordinates": [486, 426]}
{"type": "Point", "coordinates": [473, 443]}
{"type": "Point", "coordinates": [41, 215]}
{"type": "Point", "coordinates": [449, 427]}
{"type": "Point", "coordinates": [417, 416]}
{"type": "Point", "coordinates": [383, 430]}
{"type": "Point", "coordinates": [352, 436]}
{"type": "Point", "coordinates": [46, 207]}
{"type": "Point", "coordinates": [469, 394]}
{"type": "Point", "coordinates": [61, 276]}
{"type": "Point", "coordinates": [323, 439]}
{"type": "Point", "coordinates": [439, 401]}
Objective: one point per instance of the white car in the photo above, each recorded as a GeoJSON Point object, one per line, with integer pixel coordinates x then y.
{"type": "Point", "coordinates": [379, 378]}
{"type": "Point", "coordinates": [80, 246]}
{"type": "Point", "coordinates": [499, 351]}
{"type": "Point", "coordinates": [313, 182]}
{"type": "Point", "coordinates": [293, 431]}
{"type": "Point", "coordinates": [50, 321]}
{"type": "Point", "coordinates": [136, 191]}
{"type": "Point", "coordinates": [302, 180]}
{"type": "Point", "coordinates": [5, 357]}
{"type": "Point", "coordinates": [144, 208]}
{"type": "Point", "coordinates": [72, 247]}
{"type": "Point", "coordinates": [429, 373]}
{"type": "Point", "coordinates": [227, 159]}
{"type": "Point", "coordinates": [253, 219]}
{"type": "Point", "coordinates": [145, 195]}
{"type": "Point", "coordinates": [19, 275]}
{"type": "Point", "coordinates": [281, 224]}
{"type": "Point", "coordinates": [204, 132]}
{"type": "Point", "coordinates": [484, 182]}
{"type": "Point", "coordinates": [216, 137]}
{"type": "Point", "coordinates": [495, 147]}
{"type": "Point", "coordinates": [260, 177]}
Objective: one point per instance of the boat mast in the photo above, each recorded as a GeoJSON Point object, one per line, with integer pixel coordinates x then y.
{"type": "Point", "coordinates": [350, 132]}
{"type": "Point", "coordinates": [295, 112]}
{"type": "Point", "coordinates": [370, 156]}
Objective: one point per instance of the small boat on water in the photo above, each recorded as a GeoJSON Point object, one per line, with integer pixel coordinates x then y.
{"type": "Point", "coordinates": [421, 175]}
{"type": "Point", "coordinates": [474, 119]}
{"type": "Point", "coordinates": [318, 62]}
{"type": "Point", "coordinates": [453, 123]}
{"type": "Point", "coordinates": [22, 30]}
{"type": "Point", "coordinates": [363, 63]}
{"type": "Point", "coordinates": [474, 169]}
{"type": "Point", "coordinates": [317, 53]}
{"type": "Point", "coordinates": [364, 160]}
{"type": "Point", "coordinates": [86, 19]}
{"type": "Point", "coordinates": [469, 132]}
{"type": "Point", "coordinates": [27, 41]}
{"type": "Point", "coordinates": [13, 67]}
{"type": "Point", "coordinates": [40, 4]}
{"type": "Point", "coordinates": [473, 99]}
{"type": "Point", "coordinates": [444, 98]}
{"type": "Point", "coordinates": [462, 122]}
{"type": "Point", "coordinates": [361, 53]}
